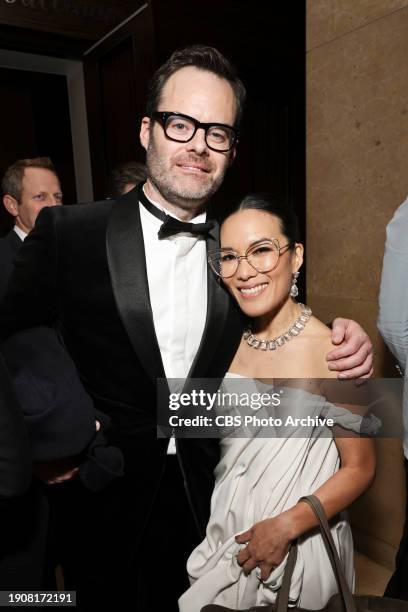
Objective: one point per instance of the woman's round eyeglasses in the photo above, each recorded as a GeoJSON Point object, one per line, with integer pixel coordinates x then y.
{"type": "Point", "coordinates": [262, 256]}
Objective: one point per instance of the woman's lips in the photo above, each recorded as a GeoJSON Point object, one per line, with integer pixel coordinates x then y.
{"type": "Point", "coordinates": [253, 291]}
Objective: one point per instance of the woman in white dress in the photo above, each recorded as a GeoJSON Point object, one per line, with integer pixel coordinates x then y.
{"type": "Point", "coordinates": [255, 513]}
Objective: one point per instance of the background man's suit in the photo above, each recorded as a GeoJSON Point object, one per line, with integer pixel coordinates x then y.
{"type": "Point", "coordinates": [84, 269]}
{"type": "Point", "coordinates": [15, 476]}
{"type": "Point", "coordinates": [9, 247]}
{"type": "Point", "coordinates": [15, 456]}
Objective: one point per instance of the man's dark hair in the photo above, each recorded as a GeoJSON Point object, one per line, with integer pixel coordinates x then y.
{"type": "Point", "coordinates": [129, 173]}
{"type": "Point", "coordinates": [203, 58]}
{"type": "Point", "coordinates": [12, 181]}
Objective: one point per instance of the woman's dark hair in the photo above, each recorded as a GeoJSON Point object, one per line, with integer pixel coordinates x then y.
{"type": "Point", "coordinates": [267, 202]}
{"type": "Point", "coordinates": [203, 58]}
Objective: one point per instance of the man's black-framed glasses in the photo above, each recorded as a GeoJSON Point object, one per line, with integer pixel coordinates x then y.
{"type": "Point", "coordinates": [182, 128]}
{"type": "Point", "coordinates": [262, 256]}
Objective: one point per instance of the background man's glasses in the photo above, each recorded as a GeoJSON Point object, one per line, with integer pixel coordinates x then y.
{"type": "Point", "coordinates": [263, 257]}
{"type": "Point", "coordinates": [182, 128]}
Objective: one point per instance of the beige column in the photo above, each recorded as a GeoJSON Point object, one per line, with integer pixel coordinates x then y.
{"type": "Point", "coordinates": [357, 175]}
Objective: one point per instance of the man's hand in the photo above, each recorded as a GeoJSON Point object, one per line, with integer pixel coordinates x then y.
{"type": "Point", "coordinates": [268, 543]}
{"type": "Point", "coordinates": [354, 357]}
{"type": "Point", "coordinates": [57, 471]}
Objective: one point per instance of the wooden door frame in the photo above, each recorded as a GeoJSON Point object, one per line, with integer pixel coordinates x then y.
{"type": "Point", "coordinates": [138, 27]}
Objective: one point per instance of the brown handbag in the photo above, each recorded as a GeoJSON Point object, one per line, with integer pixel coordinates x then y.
{"type": "Point", "coordinates": [343, 601]}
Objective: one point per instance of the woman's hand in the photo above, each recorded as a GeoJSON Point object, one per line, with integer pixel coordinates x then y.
{"type": "Point", "coordinates": [268, 543]}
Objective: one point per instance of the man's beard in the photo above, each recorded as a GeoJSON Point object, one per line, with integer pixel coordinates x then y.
{"type": "Point", "coordinates": [172, 188]}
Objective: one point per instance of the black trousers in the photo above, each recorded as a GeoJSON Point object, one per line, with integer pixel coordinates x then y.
{"type": "Point", "coordinates": [170, 537]}
{"type": "Point", "coordinates": [23, 541]}
{"type": "Point", "coordinates": [398, 584]}
{"type": "Point", "coordinates": [104, 559]}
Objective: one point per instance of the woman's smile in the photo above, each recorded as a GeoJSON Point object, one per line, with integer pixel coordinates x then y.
{"type": "Point", "coordinates": [252, 290]}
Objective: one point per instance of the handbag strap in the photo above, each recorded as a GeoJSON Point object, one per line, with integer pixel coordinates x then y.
{"type": "Point", "coordinates": [332, 553]}
{"type": "Point", "coordinates": [344, 590]}
{"type": "Point", "coordinates": [283, 595]}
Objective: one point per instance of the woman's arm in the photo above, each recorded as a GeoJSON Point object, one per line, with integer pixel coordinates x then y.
{"type": "Point", "coordinates": [355, 475]}
{"type": "Point", "coordinates": [269, 539]}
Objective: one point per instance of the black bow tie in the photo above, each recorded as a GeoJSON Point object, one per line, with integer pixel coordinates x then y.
{"type": "Point", "coordinates": [172, 226]}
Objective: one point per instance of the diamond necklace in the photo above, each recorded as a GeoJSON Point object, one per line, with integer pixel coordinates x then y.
{"type": "Point", "coordinates": [293, 331]}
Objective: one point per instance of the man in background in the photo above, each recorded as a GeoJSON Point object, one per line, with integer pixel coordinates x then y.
{"type": "Point", "coordinates": [125, 177]}
{"type": "Point", "coordinates": [392, 324]}
{"type": "Point", "coordinates": [28, 185]}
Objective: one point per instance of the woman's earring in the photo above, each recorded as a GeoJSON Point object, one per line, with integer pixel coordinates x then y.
{"type": "Point", "coordinates": [294, 291]}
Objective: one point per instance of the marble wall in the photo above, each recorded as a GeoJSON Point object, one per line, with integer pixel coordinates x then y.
{"type": "Point", "coordinates": [357, 150]}
{"type": "Point", "coordinates": [357, 161]}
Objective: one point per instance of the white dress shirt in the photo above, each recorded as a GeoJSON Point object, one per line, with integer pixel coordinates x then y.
{"type": "Point", "coordinates": [22, 235]}
{"type": "Point", "coordinates": [177, 279]}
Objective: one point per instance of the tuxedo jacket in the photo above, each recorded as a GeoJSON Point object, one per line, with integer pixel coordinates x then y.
{"type": "Point", "coordinates": [15, 455]}
{"type": "Point", "coordinates": [83, 269]}
{"type": "Point", "coordinates": [9, 246]}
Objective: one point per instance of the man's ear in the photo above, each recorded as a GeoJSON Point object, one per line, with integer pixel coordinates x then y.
{"type": "Point", "coordinates": [145, 132]}
{"type": "Point", "coordinates": [11, 205]}
{"type": "Point", "coordinates": [232, 157]}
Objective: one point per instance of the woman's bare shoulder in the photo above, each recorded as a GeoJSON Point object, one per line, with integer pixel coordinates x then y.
{"type": "Point", "coordinates": [317, 330]}
{"type": "Point", "coordinates": [319, 336]}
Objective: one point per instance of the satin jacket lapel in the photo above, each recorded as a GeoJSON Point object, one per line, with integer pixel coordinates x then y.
{"type": "Point", "coordinates": [218, 302]}
{"type": "Point", "coordinates": [127, 266]}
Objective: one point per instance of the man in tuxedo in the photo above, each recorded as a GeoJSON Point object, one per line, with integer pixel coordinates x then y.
{"type": "Point", "coordinates": [28, 185]}
{"type": "Point", "coordinates": [126, 283]}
